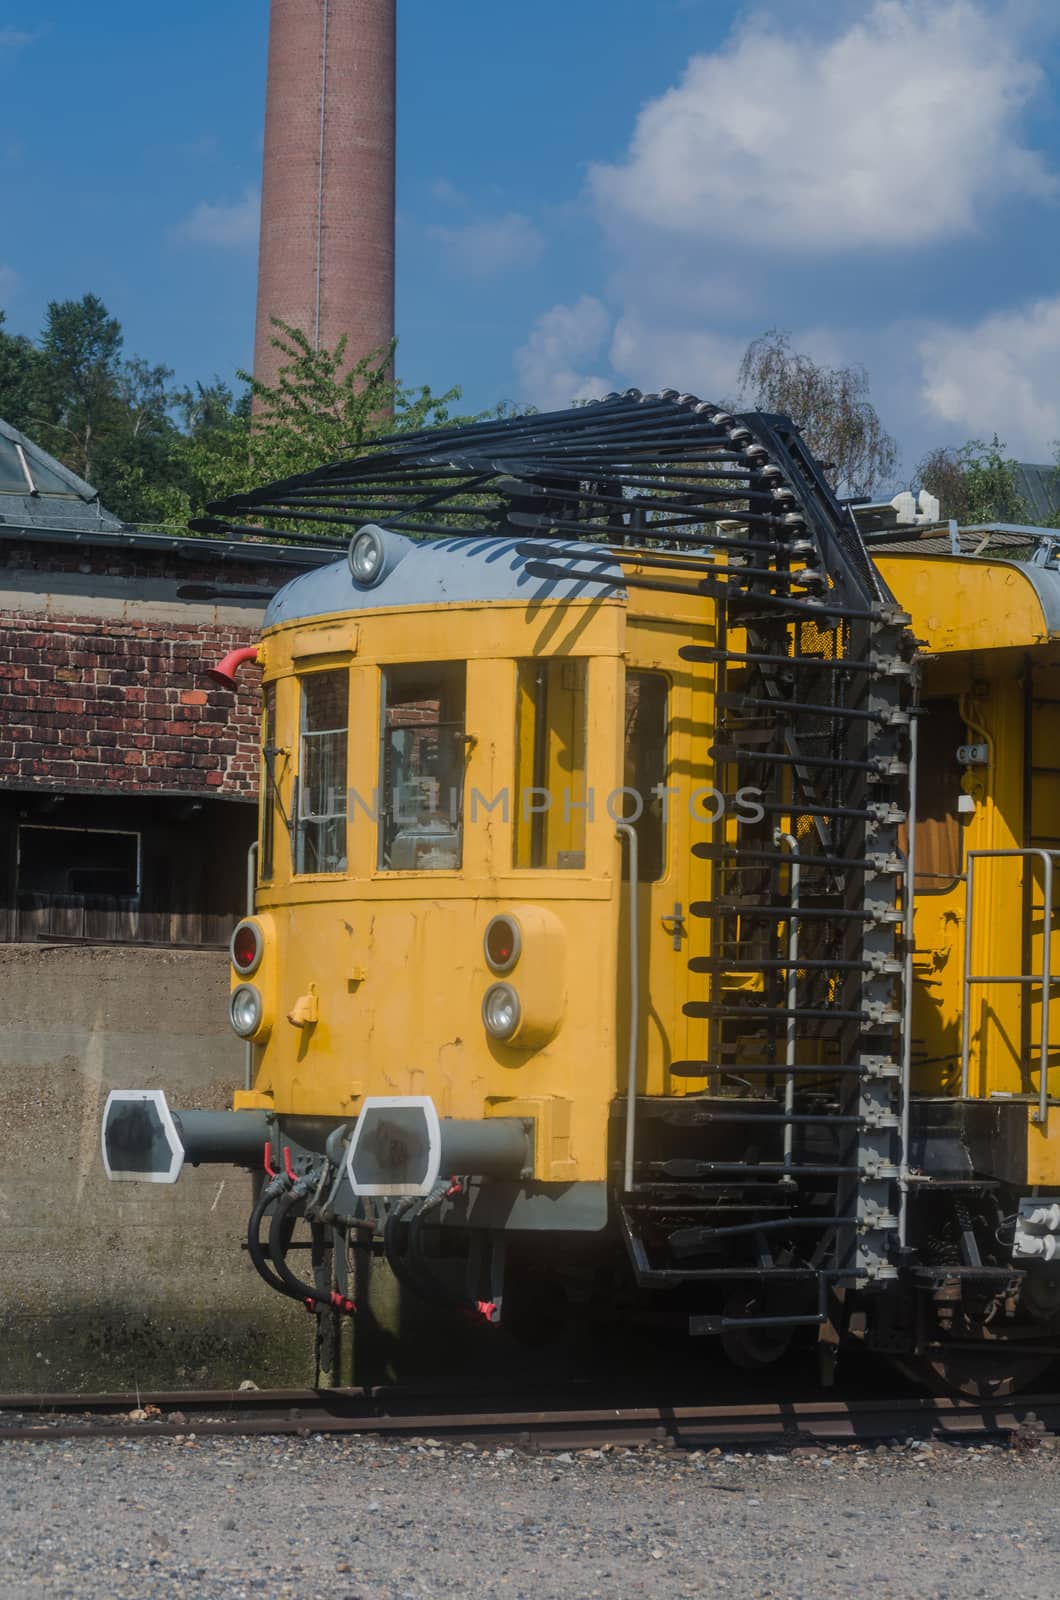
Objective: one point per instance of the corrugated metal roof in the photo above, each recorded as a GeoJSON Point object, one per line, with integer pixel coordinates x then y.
{"type": "Point", "coordinates": [1040, 487]}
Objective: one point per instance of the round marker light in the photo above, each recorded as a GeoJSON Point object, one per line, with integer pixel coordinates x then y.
{"type": "Point", "coordinates": [501, 1012]}
{"type": "Point", "coordinates": [366, 556]}
{"type": "Point", "coordinates": [503, 943]}
{"type": "Point", "coordinates": [246, 948]}
{"type": "Point", "coordinates": [244, 1010]}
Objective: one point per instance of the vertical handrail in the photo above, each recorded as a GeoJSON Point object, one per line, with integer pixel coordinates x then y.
{"type": "Point", "coordinates": [790, 1042]}
{"type": "Point", "coordinates": [905, 1086]}
{"type": "Point", "coordinates": [966, 1031]}
{"type": "Point", "coordinates": [1047, 858]}
{"type": "Point", "coordinates": [1047, 933]}
{"type": "Point", "coordinates": [629, 834]}
{"type": "Point", "coordinates": [252, 887]}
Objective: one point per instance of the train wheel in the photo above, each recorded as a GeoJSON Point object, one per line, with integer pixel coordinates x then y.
{"type": "Point", "coordinates": [751, 1349]}
{"type": "Point", "coordinates": [979, 1374]}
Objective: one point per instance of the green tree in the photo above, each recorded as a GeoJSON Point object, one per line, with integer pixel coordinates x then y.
{"type": "Point", "coordinates": [831, 406]}
{"type": "Point", "coordinates": [160, 454]}
{"type": "Point", "coordinates": [81, 352]}
{"type": "Point", "coordinates": [20, 378]}
{"type": "Point", "coordinates": [320, 409]}
{"type": "Point", "coordinates": [974, 483]}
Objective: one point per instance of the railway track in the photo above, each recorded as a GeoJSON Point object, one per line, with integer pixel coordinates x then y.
{"type": "Point", "coordinates": [523, 1421]}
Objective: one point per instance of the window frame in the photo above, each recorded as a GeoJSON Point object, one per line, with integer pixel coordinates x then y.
{"type": "Point", "coordinates": [665, 828]}
{"type": "Point", "coordinates": [438, 668]}
{"type": "Point", "coordinates": [534, 830]}
{"type": "Point", "coordinates": [299, 819]}
{"type": "Point", "coordinates": [936, 883]}
{"type": "Point", "coordinates": [111, 833]}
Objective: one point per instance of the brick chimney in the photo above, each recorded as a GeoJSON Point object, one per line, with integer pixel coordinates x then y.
{"type": "Point", "coordinates": [326, 262]}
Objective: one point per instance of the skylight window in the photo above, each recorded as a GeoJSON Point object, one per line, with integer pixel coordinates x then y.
{"type": "Point", "coordinates": [14, 469]}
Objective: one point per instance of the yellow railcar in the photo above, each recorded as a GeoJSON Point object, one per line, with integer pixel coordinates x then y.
{"type": "Point", "coordinates": [583, 914]}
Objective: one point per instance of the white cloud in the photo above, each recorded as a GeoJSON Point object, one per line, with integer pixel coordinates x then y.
{"type": "Point", "coordinates": [1002, 374]}
{"type": "Point", "coordinates": [447, 194]}
{"type": "Point", "coordinates": [561, 343]}
{"type": "Point", "coordinates": [480, 249]}
{"type": "Point", "coordinates": [892, 133]}
{"type": "Point", "coordinates": [702, 362]}
{"type": "Point", "coordinates": [233, 227]}
{"type": "Point", "coordinates": [12, 39]}
{"type": "Point", "coordinates": [8, 283]}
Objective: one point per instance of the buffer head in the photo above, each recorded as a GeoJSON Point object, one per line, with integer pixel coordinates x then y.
{"type": "Point", "coordinates": [139, 1137]}
{"type": "Point", "coordinates": [395, 1148]}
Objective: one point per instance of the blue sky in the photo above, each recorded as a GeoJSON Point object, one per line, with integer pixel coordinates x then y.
{"type": "Point", "coordinates": [591, 193]}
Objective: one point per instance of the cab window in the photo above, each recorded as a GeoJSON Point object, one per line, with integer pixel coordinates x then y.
{"type": "Point", "coordinates": [939, 835]}
{"type": "Point", "coordinates": [320, 813]}
{"type": "Point", "coordinates": [421, 802]}
{"type": "Point", "coordinates": [550, 785]}
{"type": "Point", "coordinates": [645, 771]}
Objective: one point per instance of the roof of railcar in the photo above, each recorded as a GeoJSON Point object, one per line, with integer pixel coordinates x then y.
{"type": "Point", "coordinates": [448, 572]}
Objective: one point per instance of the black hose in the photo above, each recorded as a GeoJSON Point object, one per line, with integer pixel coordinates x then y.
{"type": "Point", "coordinates": [308, 1293]}
{"type": "Point", "coordinates": [255, 1249]}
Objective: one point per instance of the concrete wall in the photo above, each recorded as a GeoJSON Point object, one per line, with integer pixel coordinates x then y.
{"type": "Point", "coordinates": [106, 1286]}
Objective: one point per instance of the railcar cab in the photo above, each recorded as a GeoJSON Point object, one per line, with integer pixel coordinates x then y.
{"type": "Point", "coordinates": [444, 756]}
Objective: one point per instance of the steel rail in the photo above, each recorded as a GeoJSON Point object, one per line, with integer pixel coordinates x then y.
{"type": "Point", "coordinates": [384, 1413]}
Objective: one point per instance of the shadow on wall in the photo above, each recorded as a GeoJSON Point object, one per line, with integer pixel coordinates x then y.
{"type": "Point", "coordinates": [110, 1286]}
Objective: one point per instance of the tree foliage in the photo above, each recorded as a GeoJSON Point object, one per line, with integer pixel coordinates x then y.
{"type": "Point", "coordinates": [831, 406]}
{"type": "Point", "coordinates": [974, 483]}
{"type": "Point", "coordinates": [159, 453]}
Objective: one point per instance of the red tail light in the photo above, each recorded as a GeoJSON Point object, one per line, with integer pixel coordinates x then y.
{"type": "Point", "coordinates": [246, 948]}
{"type": "Point", "coordinates": [503, 942]}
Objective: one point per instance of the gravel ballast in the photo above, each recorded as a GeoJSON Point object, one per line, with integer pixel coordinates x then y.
{"type": "Point", "coordinates": [375, 1520]}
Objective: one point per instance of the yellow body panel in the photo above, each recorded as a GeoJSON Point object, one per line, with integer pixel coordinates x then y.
{"type": "Point", "coordinates": [965, 602]}
{"type": "Point", "coordinates": [987, 647]}
{"type": "Point", "coordinates": [373, 980]}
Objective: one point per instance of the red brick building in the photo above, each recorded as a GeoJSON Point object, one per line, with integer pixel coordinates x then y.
{"type": "Point", "coordinates": [128, 783]}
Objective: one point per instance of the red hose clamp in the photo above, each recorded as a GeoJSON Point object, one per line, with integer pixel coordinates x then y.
{"type": "Point", "coordinates": [456, 1187]}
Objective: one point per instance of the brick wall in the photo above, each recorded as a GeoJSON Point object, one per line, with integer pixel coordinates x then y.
{"type": "Point", "coordinates": [92, 705]}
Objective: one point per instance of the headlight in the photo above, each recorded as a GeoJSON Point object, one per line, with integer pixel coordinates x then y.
{"type": "Point", "coordinates": [503, 942]}
{"type": "Point", "coordinates": [244, 1010]}
{"type": "Point", "coordinates": [501, 1012]}
{"type": "Point", "coordinates": [246, 948]}
{"type": "Point", "coordinates": [366, 556]}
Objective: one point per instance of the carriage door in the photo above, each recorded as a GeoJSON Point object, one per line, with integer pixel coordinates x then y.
{"type": "Point", "coordinates": [659, 720]}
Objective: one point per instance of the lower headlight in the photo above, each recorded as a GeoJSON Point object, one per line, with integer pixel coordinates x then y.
{"type": "Point", "coordinates": [501, 1012]}
{"type": "Point", "coordinates": [244, 1010]}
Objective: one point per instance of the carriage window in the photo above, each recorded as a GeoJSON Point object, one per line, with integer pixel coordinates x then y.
{"type": "Point", "coordinates": [423, 758]}
{"type": "Point", "coordinates": [645, 771]}
{"type": "Point", "coordinates": [320, 836]}
{"type": "Point", "coordinates": [550, 790]}
{"type": "Point", "coordinates": [939, 838]}
{"type": "Point", "coordinates": [268, 782]}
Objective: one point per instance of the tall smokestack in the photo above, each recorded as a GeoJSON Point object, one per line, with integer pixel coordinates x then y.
{"type": "Point", "coordinates": [326, 262]}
